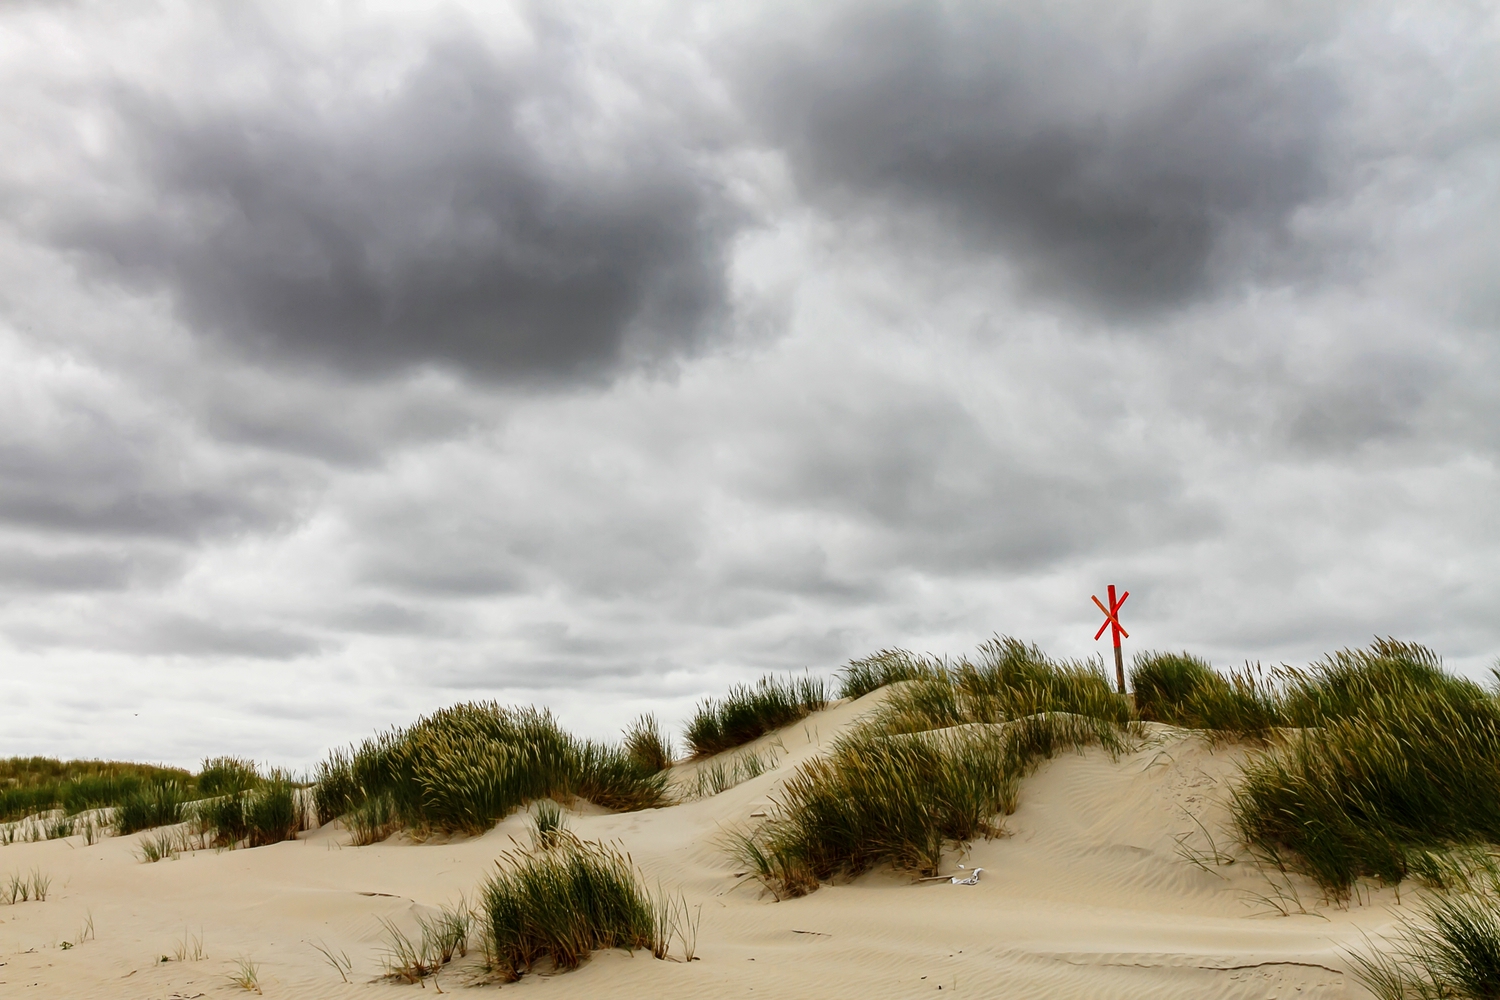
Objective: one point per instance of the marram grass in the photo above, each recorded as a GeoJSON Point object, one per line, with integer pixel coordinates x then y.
{"type": "Point", "coordinates": [464, 768]}
{"type": "Point", "coordinates": [889, 666]}
{"type": "Point", "coordinates": [560, 903]}
{"type": "Point", "coordinates": [1006, 679]}
{"type": "Point", "coordinates": [901, 799]}
{"type": "Point", "coordinates": [1449, 947]}
{"type": "Point", "coordinates": [749, 711]}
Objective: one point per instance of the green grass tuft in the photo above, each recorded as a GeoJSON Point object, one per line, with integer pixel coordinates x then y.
{"type": "Point", "coordinates": [749, 711]}
{"type": "Point", "coordinates": [1163, 683]}
{"type": "Point", "coordinates": [152, 806]}
{"type": "Point", "coordinates": [647, 744]}
{"type": "Point", "coordinates": [562, 903]}
{"type": "Point", "coordinates": [888, 666]}
{"type": "Point", "coordinates": [464, 768]}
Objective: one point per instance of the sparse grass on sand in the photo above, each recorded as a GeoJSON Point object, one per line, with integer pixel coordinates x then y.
{"type": "Point", "coordinates": [722, 773]}
{"type": "Point", "coordinates": [749, 711]}
{"type": "Point", "coordinates": [440, 939]}
{"type": "Point", "coordinates": [246, 975]}
{"type": "Point", "coordinates": [20, 888]}
{"type": "Point", "coordinates": [561, 903]}
{"type": "Point", "coordinates": [900, 798]}
{"type": "Point", "coordinates": [464, 768]}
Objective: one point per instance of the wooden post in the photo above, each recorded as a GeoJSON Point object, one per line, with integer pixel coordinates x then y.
{"type": "Point", "coordinates": [1112, 622]}
{"type": "Point", "coordinates": [1114, 608]}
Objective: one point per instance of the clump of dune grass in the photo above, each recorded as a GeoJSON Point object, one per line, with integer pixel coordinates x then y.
{"type": "Point", "coordinates": [372, 821]}
{"type": "Point", "coordinates": [901, 799]}
{"type": "Point", "coordinates": [152, 806]}
{"type": "Point", "coordinates": [1163, 683]}
{"type": "Point", "coordinates": [252, 810]}
{"type": "Point", "coordinates": [246, 975]}
{"type": "Point", "coordinates": [888, 666]}
{"type": "Point", "coordinates": [1393, 758]}
{"type": "Point", "coordinates": [227, 775]}
{"type": "Point", "coordinates": [547, 825]}
{"type": "Point", "coordinates": [562, 903]}
{"type": "Point", "coordinates": [647, 744]}
{"type": "Point", "coordinates": [1449, 948]}
{"type": "Point", "coordinates": [464, 768]}
{"type": "Point", "coordinates": [335, 792]}
{"type": "Point", "coordinates": [1005, 679]}
{"type": "Point", "coordinates": [1183, 690]}
{"type": "Point", "coordinates": [749, 711]}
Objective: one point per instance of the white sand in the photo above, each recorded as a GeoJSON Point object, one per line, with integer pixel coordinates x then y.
{"type": "Point", "coordinates": [1086, 897]}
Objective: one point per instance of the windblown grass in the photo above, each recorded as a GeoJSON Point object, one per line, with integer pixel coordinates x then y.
{"type": "Point", "coordinates": [1007, 679]}
{"type": "Point", "coordinates": [1450, 948]}
{"type": "Point", "coordinates": [750, 711]}
{"type": "Point", "coordinates": [1182, 690]}
{"type": "Point", "coordinates": [464, 768]}
{"type": "Point", "coordinates": [888, 666]}
{"type": "Point", "coordinates": [647, 744]}
{"type": "Point", "coordinates": [902, 798]}
{"type": "Point", "coordinates": [564, 902]}
{"type": "Point", "coordinates": [1394, 758]}
{"type": "Point", "coordinates": [1164, 682]}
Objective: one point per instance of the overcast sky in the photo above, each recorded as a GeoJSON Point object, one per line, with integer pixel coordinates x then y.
{"type": "Point", "coordinates": [356, 359]}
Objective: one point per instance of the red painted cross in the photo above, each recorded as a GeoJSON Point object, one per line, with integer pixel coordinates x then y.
{"type": "Point", "coordinates": [1112, 622]}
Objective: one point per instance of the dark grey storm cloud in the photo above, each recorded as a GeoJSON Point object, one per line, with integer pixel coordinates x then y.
{"type": "Point", "coordinates": [1111, 166]}
{"type": "Point", "coordinates": [486, 211]}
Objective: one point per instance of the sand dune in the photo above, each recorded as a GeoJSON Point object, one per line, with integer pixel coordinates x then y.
{"type": "Point", "coordinates": [1086, 896]}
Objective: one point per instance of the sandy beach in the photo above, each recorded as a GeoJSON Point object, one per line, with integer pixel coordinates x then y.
{"type": "Point", "coordinates": [1087, 894]}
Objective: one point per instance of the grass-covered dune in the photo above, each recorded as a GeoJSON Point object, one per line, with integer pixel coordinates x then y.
{"type": "Point", "coordinates": [229, 802]}
{"type": "Point", "coordinates": [31, 785]}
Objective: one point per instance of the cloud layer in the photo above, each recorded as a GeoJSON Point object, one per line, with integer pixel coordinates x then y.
{"type": "Point", "coordinates": [359, 362]}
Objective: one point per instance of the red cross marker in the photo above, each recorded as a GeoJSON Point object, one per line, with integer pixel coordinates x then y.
{"type": "Point", "coordinates": [1112, 622]}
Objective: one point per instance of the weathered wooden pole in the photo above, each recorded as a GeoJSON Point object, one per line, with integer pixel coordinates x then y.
{"type": "Point", "coordinates": [1112, 622]}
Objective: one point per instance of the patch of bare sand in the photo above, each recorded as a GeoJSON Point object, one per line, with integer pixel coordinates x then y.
{"type": "Point", "coordinates": [1087, 896]}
